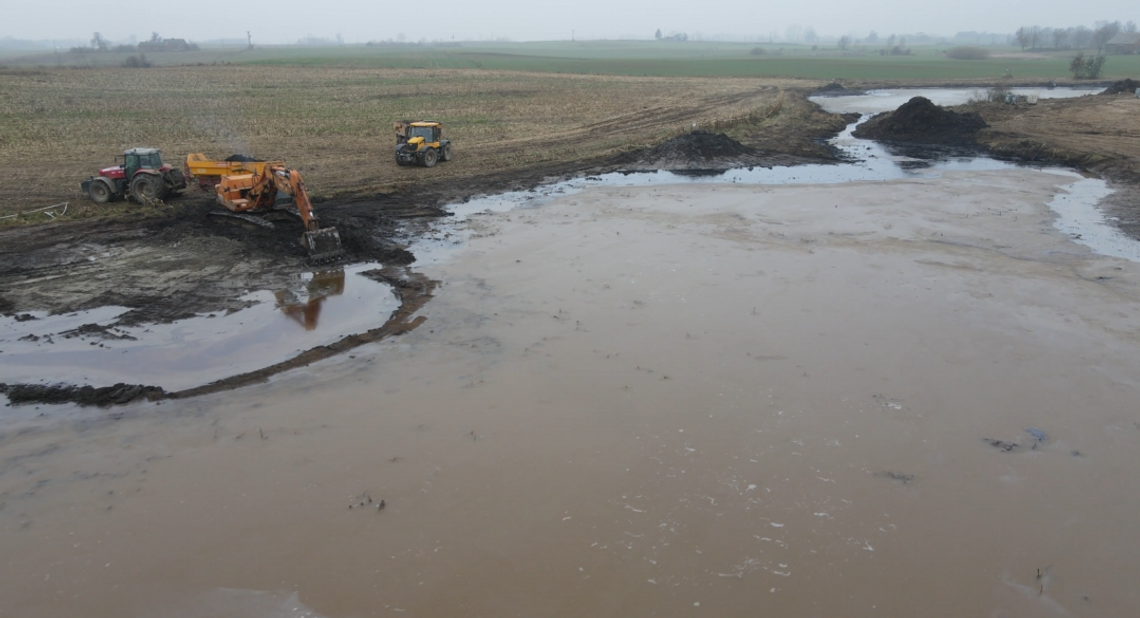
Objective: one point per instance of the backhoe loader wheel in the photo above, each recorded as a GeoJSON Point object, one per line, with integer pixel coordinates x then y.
{"type": "Point", "coordinates": [146, 188]}
{"type": "Point", "coordinates": [445, 154]}
{"type": "Point", "coordinates": [99, 192]}
{"type": "Point", "coordinates": [399, 161]}
{"type": "Point", "coordinates": [431, 155]}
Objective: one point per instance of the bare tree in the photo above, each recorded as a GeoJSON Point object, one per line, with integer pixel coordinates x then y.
{"type": "Point", "coordinates": [1130, 27]}
{"type": "Point", "coordinates": [1059, 36]}
{"type": "Point", "coordinates": [873, 38]}
{"type": "Point", "coordinates": [1022, 36]}
{"type": "Point", "coordinates": [844, 42]}
{"type": "Point", "coordinates": [1082, 37]}
{"type": "Point", "coordinates": [1104, 31]}
{"type": "Point", "coordinates": [98, 42]}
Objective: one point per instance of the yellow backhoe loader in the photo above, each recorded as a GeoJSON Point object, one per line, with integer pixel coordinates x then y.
{"type": "Point", "coordinates": [420, 143]}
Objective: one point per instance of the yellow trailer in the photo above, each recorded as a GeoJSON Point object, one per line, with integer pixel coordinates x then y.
{"type": "Point", "coordinates": [209, 172]}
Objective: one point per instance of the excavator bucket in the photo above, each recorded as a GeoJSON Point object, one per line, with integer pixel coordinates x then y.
{"type": "Point", "coordinates": [323, 245]}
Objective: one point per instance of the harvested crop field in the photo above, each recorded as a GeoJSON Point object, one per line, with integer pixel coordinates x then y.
{"type": "Point", "coordinates": [335, 125]}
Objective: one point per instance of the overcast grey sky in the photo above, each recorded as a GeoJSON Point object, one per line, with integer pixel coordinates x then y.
{"type": "Point", "coordinates": [285, 21]}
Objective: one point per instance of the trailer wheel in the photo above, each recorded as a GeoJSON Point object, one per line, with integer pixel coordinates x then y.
{"type": "Point", "coordinates": [431, 155]}
{"type": "Point", "coordinates": [99, 192]}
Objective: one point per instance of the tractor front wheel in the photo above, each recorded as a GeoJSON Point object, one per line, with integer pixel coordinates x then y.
{"type": "Point", "coordinates": [100, 192]}
{"type": "Point", "coordinates": [431, 155]}
{"type": "Point", "coordinates": [146, 188]}
{"type": "Point", "coordinates": [445, 154]}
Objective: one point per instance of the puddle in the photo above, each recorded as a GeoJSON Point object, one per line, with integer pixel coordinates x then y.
{"type": "Point", "coordinates": [876, 101]}
{"type": "Point", "coordinates": [870, 162]}
{"type": "Point", "coordinates": [86, 348]}
{"type": "Point", "coordinates": [1079, 217]}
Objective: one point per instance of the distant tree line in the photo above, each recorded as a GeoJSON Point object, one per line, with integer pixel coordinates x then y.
{"type": "Point", "coordinates": [1078, 37]}
{"type": "Point", "coordinates": [99, 43]}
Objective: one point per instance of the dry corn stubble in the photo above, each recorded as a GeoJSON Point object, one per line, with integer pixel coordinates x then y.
{"type": "Point", "coordinates": [334, 124]}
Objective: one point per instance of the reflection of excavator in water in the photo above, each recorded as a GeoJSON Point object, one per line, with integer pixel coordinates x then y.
{"type": "Point", "coordinates": [257, 193]}
{"type": "Point", "coordinates": [305, 312]}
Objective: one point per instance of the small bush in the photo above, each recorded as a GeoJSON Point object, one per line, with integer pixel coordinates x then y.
{"type": "Point", "coordinates": [1087, 68]}
{"type": "Point", "coordinates": [758, 51]}
{"type": "Point", "coordinates": [996, 94]}
{"type": "Point", "coordinates": [968, 52]}
{"type": "Point", "coordinates": [136, 62]}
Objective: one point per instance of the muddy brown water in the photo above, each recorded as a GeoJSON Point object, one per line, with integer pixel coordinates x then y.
{"type": "Point", "coordinates": [675, 400]}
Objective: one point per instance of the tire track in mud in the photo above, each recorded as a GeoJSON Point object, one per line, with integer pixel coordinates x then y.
{"type": "Point", "coordinates": [639, 121]}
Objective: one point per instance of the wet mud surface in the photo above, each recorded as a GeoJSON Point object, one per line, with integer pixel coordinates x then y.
{"type": "Point", "coordinates": [664, 399]}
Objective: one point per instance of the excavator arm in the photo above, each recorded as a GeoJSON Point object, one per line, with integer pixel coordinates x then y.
{"type": "Point", "coordinates": [258, 192]}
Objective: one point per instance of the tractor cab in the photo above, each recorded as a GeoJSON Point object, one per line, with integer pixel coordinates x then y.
{"type": "Point", "coordinates": [137, 159]}
{"type": "Point", "coordinates": [421, 143]}
{"type": "Point", "coordinates": [420, 132]}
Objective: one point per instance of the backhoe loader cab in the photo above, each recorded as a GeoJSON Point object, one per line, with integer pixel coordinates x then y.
{"type": "Point", "coordinates": [141, 175]}
{"type": "Point", "coordinates": [421, 143]}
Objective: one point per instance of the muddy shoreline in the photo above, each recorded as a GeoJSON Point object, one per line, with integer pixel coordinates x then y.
{"type": "Point", "coordinates": [183, 263]}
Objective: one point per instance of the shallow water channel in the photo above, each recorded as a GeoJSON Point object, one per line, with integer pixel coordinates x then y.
{"type": "Point", "coordinates": [910, 391]}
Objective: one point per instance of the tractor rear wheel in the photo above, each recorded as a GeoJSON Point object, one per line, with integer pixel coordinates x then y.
{"type": "Point", "coordinates": [445, 154]}
{"type": "Point", "coordinates": [431, 155]}
{"type": "Point", "coordinates": [100, 192]}
{"type": "Point", "coordinates": [146, 188]}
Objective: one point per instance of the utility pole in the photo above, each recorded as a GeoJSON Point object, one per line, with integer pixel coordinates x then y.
{"type": "Point", "coordinates": [249, 38]}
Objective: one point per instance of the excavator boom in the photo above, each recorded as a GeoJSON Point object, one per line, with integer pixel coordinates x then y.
{"type": "Point", "coordinates": [258, 192]}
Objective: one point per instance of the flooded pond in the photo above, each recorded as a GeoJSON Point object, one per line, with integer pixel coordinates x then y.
{"type": "Point", "coordinates": [88, 347]}
{"type": "Point", "coordinates": [906, 389]}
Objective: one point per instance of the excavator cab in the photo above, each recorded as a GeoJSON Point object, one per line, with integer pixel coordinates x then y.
{"type": "Point", "coordinates": [421, 142]}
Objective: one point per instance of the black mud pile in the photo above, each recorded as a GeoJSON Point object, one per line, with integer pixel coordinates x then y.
{"type": "Point", "coordinates": [119, 394]}
{"type": "Point", "coordinates": [918, 121]}
{"type": "Point", "coordinates": [699, 150]}
{"type": "Point", "coordinates": [835, 89]}
{"type": "Point", "coordinates": [1124, 86]}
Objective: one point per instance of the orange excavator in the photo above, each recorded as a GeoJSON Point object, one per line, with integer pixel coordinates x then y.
{"type": "Point", "coordinates": [257, 194]}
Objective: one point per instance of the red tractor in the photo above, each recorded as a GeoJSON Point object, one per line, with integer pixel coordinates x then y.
{"type": "Point", "coordinates": [141, 176]}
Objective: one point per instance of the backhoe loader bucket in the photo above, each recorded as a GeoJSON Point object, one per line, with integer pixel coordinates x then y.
{"type": "Point", "coordinates": [323, 245]}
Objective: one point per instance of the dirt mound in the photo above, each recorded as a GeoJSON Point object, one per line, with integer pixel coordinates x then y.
{"type": "Point", "coordinates": [922, 122]}
{"type": "Point", "coordinates": [1124, 86]}
{"type": "Point", "coordinates": [118, 394]}
{"type": "Point", "coordinates": [699, 150]}
{"type": "Point", "coordinates": [242, 159]}
{"type": "Point", "coordinates": [835, 89]}
{"type": "Point", "coordinates": [700, 146]}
